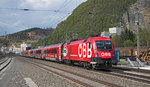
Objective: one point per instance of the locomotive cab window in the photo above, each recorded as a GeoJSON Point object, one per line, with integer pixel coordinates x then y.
{"type": "Point", "coordinates": [104, 45]}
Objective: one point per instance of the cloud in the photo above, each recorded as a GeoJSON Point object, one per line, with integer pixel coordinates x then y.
{"type": "Point", "coordinates": [17, 23]}
{"type": "Point", "coordinates": [41, 4]}
{"type": "Point", "coordinates": [15, 20]}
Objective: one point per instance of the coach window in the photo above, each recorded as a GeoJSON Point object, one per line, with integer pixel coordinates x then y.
{"type": "Point", "coordinates": [39, 51]}
{"type": "Point", "coordinates": [48, 51]}
{"type": "Point", "coordinates": [44, 51]}
{"type": "Point", "coordinates": [55, 51]}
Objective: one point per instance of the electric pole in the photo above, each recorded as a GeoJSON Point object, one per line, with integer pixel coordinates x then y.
{"type": "Point", "coordinates": [138, 32]}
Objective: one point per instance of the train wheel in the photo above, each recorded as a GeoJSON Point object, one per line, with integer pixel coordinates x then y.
{"type": "Point", "coordinates": [87, 65]}
{"type": "Point", "coordinates": [59, 61]}
{"type": "Point", "coordinates": [71, 63]}
{"type": "Point", "coordinates": [93, 66]}
{"type": "Point", "coordinates": [44, 58]}
{"type": "Point", "coordinates": [84, 64]}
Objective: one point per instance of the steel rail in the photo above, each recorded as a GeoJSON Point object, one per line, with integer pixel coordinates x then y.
{"type": "Point", "coordinates": [6, 64]}
{"type": "Point", "coordinates": [83, 76]}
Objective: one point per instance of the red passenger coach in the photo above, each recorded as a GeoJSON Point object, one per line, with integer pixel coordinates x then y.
{"type": "Point", "coordinates": [23, 53]}
{"type": "Point", "coordinates": [53, 52]}
{"type": "Point", "coordinates": [27, 53]}
{"type": "Point", "coordinates": [31, 53]}
{"type": "Point", "coordinates": [39, 52]}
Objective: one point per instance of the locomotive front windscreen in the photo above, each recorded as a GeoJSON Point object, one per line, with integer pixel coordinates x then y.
{"type": "Point", "coordinates": [104, 45]}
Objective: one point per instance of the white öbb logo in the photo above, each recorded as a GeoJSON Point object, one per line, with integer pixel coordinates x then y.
{"type": "Point", "coordinates": [65, 51]}
{"type": "Point", "coordinates": [105, 54]}
{"type": "Point", "coordinates": [84, 50]}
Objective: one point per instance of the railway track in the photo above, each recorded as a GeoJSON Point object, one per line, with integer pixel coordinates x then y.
{"type": "Point", "coordinates": [145, 78]}
{"type": "Point", "coordinates": [134, 74]}
{"type": "Point", "coordinates": [134, 77]}
{"type": "Point", "coordinates": [3, 60]}
{"type": "Point", "coordinates": [131, 69]}
{"type": "Point", "coordinates": [5, 63]}
{"type": "Point", "coordinates": [75, 77]}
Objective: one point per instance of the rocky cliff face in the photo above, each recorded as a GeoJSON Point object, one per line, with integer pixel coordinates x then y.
{"type": "Point", "coordinates": [130, 16]}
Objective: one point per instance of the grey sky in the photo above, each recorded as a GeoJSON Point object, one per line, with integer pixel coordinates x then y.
{"type": "Point", "coordinates": [43, 13]}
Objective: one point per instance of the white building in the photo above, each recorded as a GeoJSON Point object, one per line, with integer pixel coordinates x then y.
{"type": "Point", "coordinates": [15, 49]}
{"type": "Point", "coordinates": [105, 34]}
{"type": "Point", "coordinates": [4, 50]}
{"type": "Point", "coordinates": [115, 30]}
{"type": "Point", "coordinates": [25, 46]}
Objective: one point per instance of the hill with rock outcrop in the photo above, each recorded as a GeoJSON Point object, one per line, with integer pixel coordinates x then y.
{"type": "Point", "coordinates": [29, 35]}
{"type": "Point", "coordinates": [143, 9]}
{"type": "Point", "coordinates": [90, 18]}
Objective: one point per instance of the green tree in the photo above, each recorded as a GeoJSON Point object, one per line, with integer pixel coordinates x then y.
{"type": "Point", "coordinates": [116, 41]}
{"type": "Point", "coordinates": [144, 37]}
{"type": "Point", "coordinates": [127, 35]}
{"type": "Point", "coordinates": [128, 43]}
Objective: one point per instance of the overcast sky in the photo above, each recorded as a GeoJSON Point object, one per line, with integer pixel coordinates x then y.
{"type": "Point", "coordinates": [41, 13]}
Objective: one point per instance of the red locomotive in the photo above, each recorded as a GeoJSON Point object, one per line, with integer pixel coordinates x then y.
{"type": "Point", "coordinates": [94, 52]}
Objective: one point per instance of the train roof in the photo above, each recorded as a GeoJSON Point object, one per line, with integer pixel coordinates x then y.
{"type": "Point", "coordinates": [99, 38]}
{"type": "Point", "coordinates": [91, 39]}
{"type": "Point", "coordinates": [54, 45]}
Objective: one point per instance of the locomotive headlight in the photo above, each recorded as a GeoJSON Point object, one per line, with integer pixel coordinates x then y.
{"type": "Point", "coordinates": [96, 54]}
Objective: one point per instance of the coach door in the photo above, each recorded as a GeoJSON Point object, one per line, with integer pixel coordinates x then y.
{"type": "Point", "coordinates": [69, 50]}
{"type": "Point", "coordinates": [43, 54]}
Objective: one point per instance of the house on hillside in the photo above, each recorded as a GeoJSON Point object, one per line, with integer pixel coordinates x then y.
{"type": "Point", "coordinates": [4, 49]}
{"type": "Point", "coordinates": [115, 31]}
{"type": "Point", "coordinates": [15, 49]}
{"type": "Point", "coordinates": [25, 46]}
{"type": "Point", "coordinates": [105, 34]}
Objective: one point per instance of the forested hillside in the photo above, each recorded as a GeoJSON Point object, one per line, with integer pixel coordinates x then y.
{"type": "Point", "coordinates": [91, 17]}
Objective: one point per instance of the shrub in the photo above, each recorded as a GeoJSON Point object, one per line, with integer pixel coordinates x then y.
{"type": "Point", "coordinates": [128, 43]}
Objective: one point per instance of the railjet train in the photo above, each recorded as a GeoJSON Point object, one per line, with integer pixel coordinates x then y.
{"type": "Point", "coordinates": [94, 52]}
